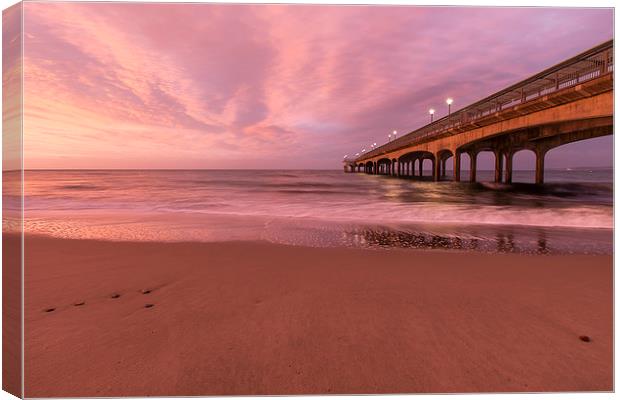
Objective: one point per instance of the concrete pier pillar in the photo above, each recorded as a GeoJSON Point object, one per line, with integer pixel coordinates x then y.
{"type": "Point", "coordinates": [508, 172]}
{"type": "Point", "coordinates": [456, 168]}
{"type": "Point", "coordinates": [473, 158]}
{"type": "Point", "coordinates": [540, 166]}
{"type": "Point", "coordinates": [421, 170]}
{"type": "Point", "coordinates": [499, 163]}
{"type": "Point", "coordinates": [436, 169]}
{"type": "Point", "coordinates": [443, 167]}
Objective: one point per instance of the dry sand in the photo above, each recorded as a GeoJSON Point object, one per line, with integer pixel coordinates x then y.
{"type": "Point", "coordinates": [257, 318]}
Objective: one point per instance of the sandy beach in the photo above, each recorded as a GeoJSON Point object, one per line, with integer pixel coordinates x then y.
{"type": "Point", "coordinates": [259, 318]}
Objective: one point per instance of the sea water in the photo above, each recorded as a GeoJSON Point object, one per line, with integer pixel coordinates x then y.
{"type": "Point", "coordinates": [571, 213]}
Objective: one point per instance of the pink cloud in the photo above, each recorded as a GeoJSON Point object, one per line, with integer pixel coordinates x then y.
{"type": "Point", "coordinates": [122, 85]}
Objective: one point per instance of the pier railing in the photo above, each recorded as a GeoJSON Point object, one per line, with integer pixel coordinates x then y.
{"type": "Point", "coordinates": [586, 66]}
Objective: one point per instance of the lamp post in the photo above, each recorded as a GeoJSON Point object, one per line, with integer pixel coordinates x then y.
{"type": "Point", "coordinates": [449, 102]}
{"type": "Point", "coordinates": [431, 112]}
{"type": "Point", "coordinates": [392, 135]}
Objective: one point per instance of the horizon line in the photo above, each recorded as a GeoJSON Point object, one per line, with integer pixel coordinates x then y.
{"type": "Point", "coordinates": [265, 169]}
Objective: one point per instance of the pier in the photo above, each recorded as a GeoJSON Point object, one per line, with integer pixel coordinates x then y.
{"type": "Point", "coordinates": [568, 102]}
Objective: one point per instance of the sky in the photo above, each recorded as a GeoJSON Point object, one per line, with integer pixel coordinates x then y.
{"type": "Point", "coordinates": [137, 85]}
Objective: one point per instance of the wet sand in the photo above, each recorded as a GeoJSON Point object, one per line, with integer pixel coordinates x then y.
{"type": "Point", "coordinates": [259, 318]}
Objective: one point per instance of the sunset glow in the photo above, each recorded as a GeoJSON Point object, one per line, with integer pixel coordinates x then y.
{"type": "Point", "coordinates": [239, 86]}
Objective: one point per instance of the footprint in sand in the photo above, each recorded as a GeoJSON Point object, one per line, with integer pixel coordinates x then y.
{"type": "Point", "coordinates": [585, 338]}
{"type": "Point", "coordinates": [49, 309]}
{"type": "Point", "coordinates": [80, 303]}
{"type": "Point", "coordinates": [146, 291]}
{"type": "Point", "coordinates": [149, 305]}
{"type": "Point", "coordinates": [115, 296]}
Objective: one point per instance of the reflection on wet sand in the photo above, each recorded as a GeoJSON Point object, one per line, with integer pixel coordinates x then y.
{"type": "Point", "coordinates": [501, 242]}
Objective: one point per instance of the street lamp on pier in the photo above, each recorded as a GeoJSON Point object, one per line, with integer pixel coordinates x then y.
{"type": "Point", "coordinates": [449, 102]}
{"type": "Point", "coordinates": [392, 135]}
{"type": "Point", "coordinates": [431, 112]}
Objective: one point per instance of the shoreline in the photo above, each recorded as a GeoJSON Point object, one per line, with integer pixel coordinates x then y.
{"type": "Point", "coordinates": [317, 233]}
{"type": "Point", "coordinates": [259, 318]}
{"type": "Point", "coordinates": [397, 249]}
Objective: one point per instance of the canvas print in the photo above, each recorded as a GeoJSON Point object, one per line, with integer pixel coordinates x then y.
{"type": "Point", "coordinates": [286, 199]}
